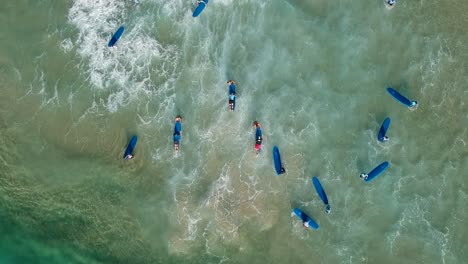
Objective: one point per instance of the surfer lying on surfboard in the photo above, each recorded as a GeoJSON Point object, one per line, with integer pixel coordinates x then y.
{"type": "Point", "coordinates": [130, 148]}
{"type": "Point", "coordinates": [232, 94]}
{"type": "Point", "coordinates": [411, 104]}
{"type": "Point", "coordinates": [382, 136]}
{"type": "Point", "coordinates": [177, 132]}
{"type": "Point", "coordinates": [321, 193]}
{"type": "Point", "coordinates": [375, 172]}
{"type": "Point", "coordinates": [307, 222]}
{"type": "Point", "coordinates": [258, 136]}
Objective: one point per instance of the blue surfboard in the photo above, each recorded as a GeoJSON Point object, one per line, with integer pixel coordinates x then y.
{"type": "Point", "coordinates": [305, 218]}
{"type": "Point", "coordinates": [383, 129]}
{"type": "Point", "coordinates": [116, 36]}
{"type": "Point", "coordinates": [400, 98]}
{"type": "Point", "coordinates": [376, 171]}
{"type": "Point", "coordinates": [277, 160]}
{"type": "Point", "coordinates": [321, 193]}
{"type": "Point", "coordinates": [200, 7]}
{"type": "Point", "coordinates": [130, 147]}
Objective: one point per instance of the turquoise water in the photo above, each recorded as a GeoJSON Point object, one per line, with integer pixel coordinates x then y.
{"type": "Point", "coordinates": [313, 73]}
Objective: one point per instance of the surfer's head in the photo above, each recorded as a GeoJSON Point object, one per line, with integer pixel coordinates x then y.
{"type": "Point", "coordinates": [363, 175]}
{"type": "Point", "coordinates": [413, 105]}
{"type": "Point", "coordinates": [327, 209]}
{"type": "Point", "coordinates": [178, 118]}
{"type": "Point", "coordinates": [385, 138]}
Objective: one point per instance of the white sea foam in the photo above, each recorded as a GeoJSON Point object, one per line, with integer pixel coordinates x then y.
{"type": "Point", "coordinates": [126, 68]}
{"type": "Point", "coordinates": [66, 45]}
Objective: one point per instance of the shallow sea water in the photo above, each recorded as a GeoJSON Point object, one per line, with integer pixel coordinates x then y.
{"type": "Point", "coordinates": [313, 73]}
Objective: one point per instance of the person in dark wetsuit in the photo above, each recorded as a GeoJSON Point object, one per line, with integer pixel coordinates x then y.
{"type": "Point", "coordinates": [363, 176]}
{"type": "Point", "coordinates": [390, 3]}
{"type": "Point", "coordinates": [177, 132]}
{"type": "Point", "coordinates": [258, 137]}
{"type": "Point", "coordinates": [232, 94]}
{"type": "Point", "coordinates": [383, 139]}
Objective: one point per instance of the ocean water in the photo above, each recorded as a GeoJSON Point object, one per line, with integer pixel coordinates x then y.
{"type": "Point", "coordinates": [312, 72]}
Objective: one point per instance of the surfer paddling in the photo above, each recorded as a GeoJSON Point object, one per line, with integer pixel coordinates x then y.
{"type": "Point", "coordinates": [232, 94]}
{"type": "Point", "coordinates": [177, 132]}
{"type": "Point", "coordinates": [258, 137]}
{"type": "Point", "coordinates": [412, 105]}
{"type": "Point", "coordinates": [130, 148]}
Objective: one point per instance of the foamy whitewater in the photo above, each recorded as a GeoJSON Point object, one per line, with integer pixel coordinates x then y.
{"type": "Point", "coordinates": [313, 73]}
